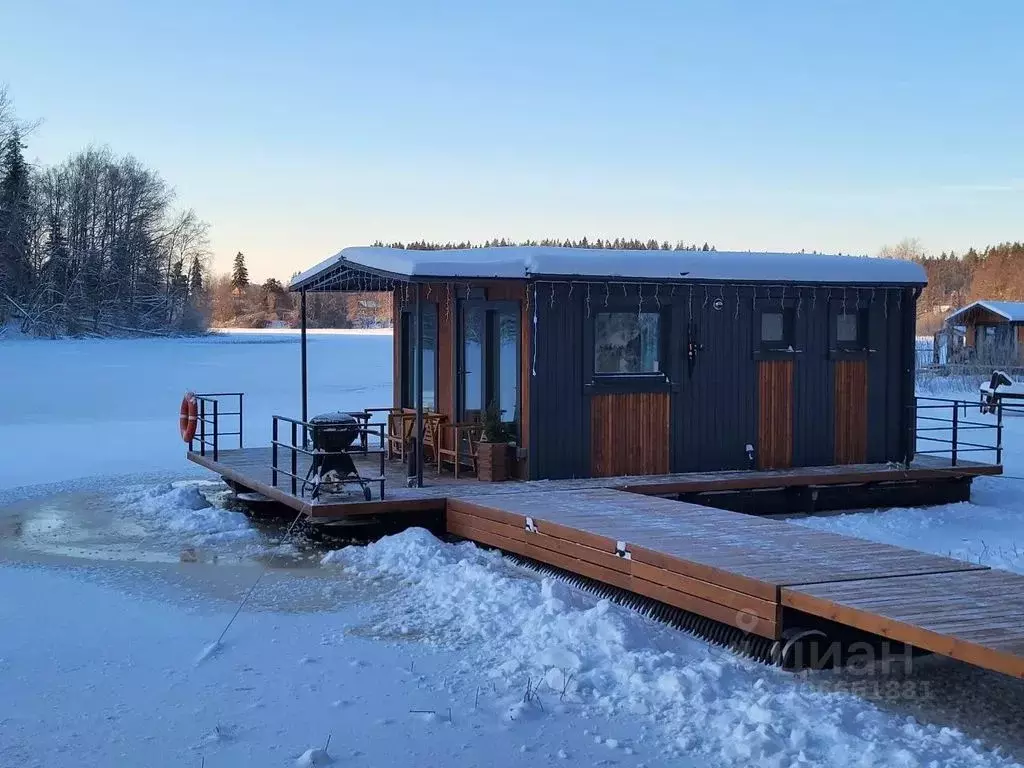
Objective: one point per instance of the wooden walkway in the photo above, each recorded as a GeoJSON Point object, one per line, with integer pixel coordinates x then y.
{"type": "Point", "coordinates": [753, 573]}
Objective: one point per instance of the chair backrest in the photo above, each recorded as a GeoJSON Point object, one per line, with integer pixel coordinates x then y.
{"type": "Point", "coordinates": [472, 436]}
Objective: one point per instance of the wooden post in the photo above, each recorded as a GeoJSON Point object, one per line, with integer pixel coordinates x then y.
{"type": "Point", "coordinates": [419, 387]}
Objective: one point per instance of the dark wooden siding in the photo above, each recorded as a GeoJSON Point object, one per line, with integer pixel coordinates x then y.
{"type": "Point", "coordinates": [851, 411]}
{"type": "Point", "coordinates": [813, 439]}
{"type": "Point", "coordinates": [718, 404]}
{"type": "Point", "coordinates": [714, 405]}
{"type": "Point", "coordinates": [559, 444]}
{"type": "Point", "coordinates": [775, 414]}
{"type": "Point", "coordinates": [629, 434]}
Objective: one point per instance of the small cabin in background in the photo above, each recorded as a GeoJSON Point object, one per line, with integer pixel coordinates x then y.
{"type": "Point", "coordinates": [992, 332]}
{"type": "Point", "coordinates": [605, 363]}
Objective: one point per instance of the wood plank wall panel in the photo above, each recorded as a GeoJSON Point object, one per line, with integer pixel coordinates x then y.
{"type": "Point", "coordinates": [851, 411]}
{"type": "Point", "coordinates": [775, 414]}
{"type": "Point", "coordinates": [629, 434]}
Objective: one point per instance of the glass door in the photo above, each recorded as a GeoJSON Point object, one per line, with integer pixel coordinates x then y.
{"type": "Point", "coordinates": [488, 365]}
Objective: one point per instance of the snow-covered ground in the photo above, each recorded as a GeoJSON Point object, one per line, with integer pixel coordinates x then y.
{"type": "Point", "coordinates": [119, 574]}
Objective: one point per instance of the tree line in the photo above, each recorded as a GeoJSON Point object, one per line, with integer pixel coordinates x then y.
{"type": "Point", "coordinates": [95, 244]}
{"type": "Point", "coordinates": [235, 302]}
{"type": "Point", "coordinates": [619, 244]}
{"type": "Point", "coordinates": [994, 272]}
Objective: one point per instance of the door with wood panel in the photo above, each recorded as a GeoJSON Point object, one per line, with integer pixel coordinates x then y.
{"type": "Point", "coordinates": [775, 414]}
{"type": "Point", "coordinates": [851, 411]}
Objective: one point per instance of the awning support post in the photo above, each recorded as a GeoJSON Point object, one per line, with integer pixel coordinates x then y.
{"type": "Point", "coordinates": [305, 387]}
{"type": "Point", "coordinates": [419, 387]}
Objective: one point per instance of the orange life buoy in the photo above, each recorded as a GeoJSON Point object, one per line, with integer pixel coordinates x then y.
{"type": "Point", "coordinates": [188, 417]}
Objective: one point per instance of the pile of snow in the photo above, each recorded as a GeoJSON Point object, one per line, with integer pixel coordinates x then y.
{"type": "Point", "coordinates": [567, 649]}
{"type": "Point", "coordinates": [181, 509]}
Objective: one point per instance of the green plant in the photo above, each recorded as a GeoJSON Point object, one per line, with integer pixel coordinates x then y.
{"type": "Point", "coordinates": [494, 429]}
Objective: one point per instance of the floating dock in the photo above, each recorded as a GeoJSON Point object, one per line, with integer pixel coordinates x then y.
{"type": "Point", "coordinates": [762, 577]}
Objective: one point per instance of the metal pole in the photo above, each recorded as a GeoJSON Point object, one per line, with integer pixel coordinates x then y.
{"type": "Point", "coordinates": [295, 466]}
{"type": "Point", "coordinates": [419, 387]}
{"type": "Point", "coordinates": [216, 429]}
{"type": "Point", "coordinates": [999, 432]}
{"type": "Point", "coordinates": [956, 425]}
{"type": "Point", "coordinates": [240, 420]}
{"type": "Point", "coordinates": [273, 452]}
{"type": "Point", "coordinates": [302, 315]}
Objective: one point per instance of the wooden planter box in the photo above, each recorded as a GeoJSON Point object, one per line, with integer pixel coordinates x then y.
{"type": "Point", "coordinates": [492, 461]}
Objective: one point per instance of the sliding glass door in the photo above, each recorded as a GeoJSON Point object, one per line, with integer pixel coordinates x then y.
{"type": "Point", "coordinates": [488, 361]}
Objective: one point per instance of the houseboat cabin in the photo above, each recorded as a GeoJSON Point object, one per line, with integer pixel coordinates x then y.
{"type": "Point", "coordinates": [607, 363]}
{"type": "Point", "coordinates": [993, 332]}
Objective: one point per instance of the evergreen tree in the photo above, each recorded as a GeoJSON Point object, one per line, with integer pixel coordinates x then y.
{"type": "Point", "coordinates": [15, 215]}
{"type": "Point", "coordinates": [239, 272]}
{"type": "Point", "coordinates": [195, 280]}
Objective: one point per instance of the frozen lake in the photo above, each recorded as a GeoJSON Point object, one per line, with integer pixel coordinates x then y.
{"type": "Point", "coordinates": [408, 652]}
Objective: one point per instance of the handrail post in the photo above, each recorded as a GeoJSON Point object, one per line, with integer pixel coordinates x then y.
{"type": "Point", "coordinates": [956, 424]}
{"type": "Point", "coordinates": [216, 429]}
{"type": "Point", "coordinates": [273, 451]}
{"type": "Point", "coordinates": [999, 432]}
{"type": "Point", "coordinates": [241, 421]}
{"type": "Point", "coordinates": [295, 463]}
{"type": "Point", "coordinates": [202, 426]}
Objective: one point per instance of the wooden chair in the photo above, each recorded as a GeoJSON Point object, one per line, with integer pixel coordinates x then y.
{"type": "Point", "coordinates": [399, 433]}
{"type": "Point", "coordinates": [432, 423]}
{"type": "Point", "coordinates": [458, 445]}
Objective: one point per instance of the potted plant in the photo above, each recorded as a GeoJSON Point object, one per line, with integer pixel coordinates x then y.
{"type": "Point", "coordinates": [493, 449]}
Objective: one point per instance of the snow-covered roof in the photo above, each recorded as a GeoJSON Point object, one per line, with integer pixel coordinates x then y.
{"type": "Point", "coordinates": [524, 262]}
{"type": "Point", "coordinates": [1013, 311]}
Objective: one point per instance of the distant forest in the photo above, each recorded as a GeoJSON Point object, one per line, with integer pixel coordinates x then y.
{"type": "Point", "coordinates": [995, 272]}
{"type": "Point", "coordinates": [95, 244]}
{"type": "Point", "coordinates": [619, 243]}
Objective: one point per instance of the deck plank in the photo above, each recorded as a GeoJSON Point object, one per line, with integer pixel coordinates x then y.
{"type": "Point", "coordinates": [973, 616]}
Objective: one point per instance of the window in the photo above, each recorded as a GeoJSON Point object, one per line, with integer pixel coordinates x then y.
{"type": "Point", "coordinates": [847, 328]}
{"type": "Point", "coordinates": [776, 331]}
{"type": "Point", "coordinates": [849, 331]}
{"type": "Point", "coordinates": [627, 343]}
{"type": "Point", "coordinates": [488, 363]}
{"type": "Point", "coordinates": [429, 358]}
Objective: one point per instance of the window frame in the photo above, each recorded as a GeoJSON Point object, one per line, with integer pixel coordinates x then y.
{"type": "Point", "coordinates": [788, 348]}
{"type": "Point", "coordinates": [491, 353]}
{"type": "Point", "coordinates": [849, 350]}
{"type": "Point", "coordinates": [407, 395]}
{"type": "Point", "coordinates": [655, 381]}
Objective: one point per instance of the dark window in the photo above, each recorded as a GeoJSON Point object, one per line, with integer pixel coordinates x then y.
{"type": "Point", "coordinates": [849, 330]}
{"type": "Point", "coordinates": [627, 343]}
{"type": "Point", "coordinates": [776, 330]}
{"type": "Point", "coordinates": [488, 363]}
{"type": "Point", "coordinates": [429, 358]}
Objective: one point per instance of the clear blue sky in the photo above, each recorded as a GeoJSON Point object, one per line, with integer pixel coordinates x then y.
{"type": "Point", "coordinates": [299, 128]}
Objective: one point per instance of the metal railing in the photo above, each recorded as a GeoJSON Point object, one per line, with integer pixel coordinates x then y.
{"type": "Point", "coordinates": [302, 439]}
{"type": "Point", "coordinates": [947, 420]}
{"type": "Point", "coordinates": [209, 429]}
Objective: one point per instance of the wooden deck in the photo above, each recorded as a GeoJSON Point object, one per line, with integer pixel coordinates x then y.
{"type": "Point", "coordinates": [754, 574]}
{"type": "Point", "coordinates": [251, 467]}
{"type": "Point", "coordinates": [748, 572]}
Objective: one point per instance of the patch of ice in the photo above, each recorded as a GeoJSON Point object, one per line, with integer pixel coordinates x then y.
{"type": "Point", "coordinates": [182, 510]}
